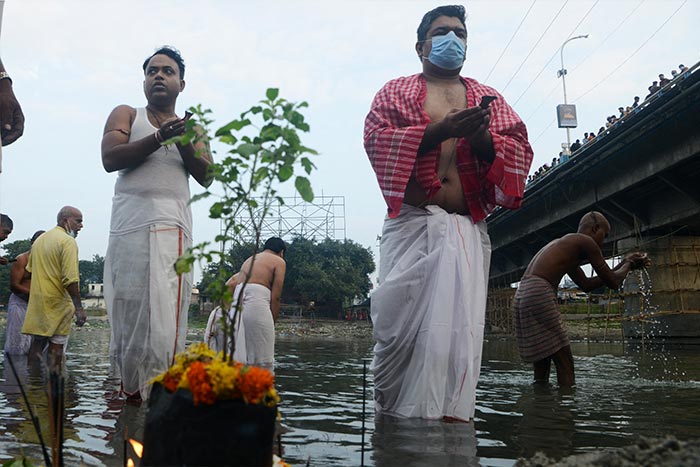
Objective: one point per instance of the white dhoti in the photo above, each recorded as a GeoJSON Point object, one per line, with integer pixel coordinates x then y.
{"type": "Point", "coordinates": [428, 314]}
{"type": "Point", "coordinates": [255, 328]}
{"type": "Point", "coordinates": [147, 303]}
{"type": "Point", "coordinates": [16, 343]}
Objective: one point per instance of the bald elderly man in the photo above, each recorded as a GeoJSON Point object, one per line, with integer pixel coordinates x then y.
{"type": "Point", "coordinates": [539, 329]}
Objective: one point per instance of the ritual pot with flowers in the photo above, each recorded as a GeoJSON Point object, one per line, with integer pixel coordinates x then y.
{"type": "Point", "coordinates": [209, 410]}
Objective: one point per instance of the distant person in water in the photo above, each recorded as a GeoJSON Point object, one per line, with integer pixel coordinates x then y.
{"type": "Point", "coordinates": [17, 343]}
{"type": "Point", "coordinates": [539, 329]}
{"type": "Point", "coordinates": [258, 286]}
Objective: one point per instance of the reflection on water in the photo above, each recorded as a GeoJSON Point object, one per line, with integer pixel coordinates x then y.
{"type": "Point", "coordinates": [621, 392]}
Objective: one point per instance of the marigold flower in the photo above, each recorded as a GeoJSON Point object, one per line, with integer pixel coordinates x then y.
{"type": "Point", "coordinates": [254, 383]}
{"type": "Point", "coordinates": [199, 384]}
{"type": "Point", "coordinates": [210, 377]}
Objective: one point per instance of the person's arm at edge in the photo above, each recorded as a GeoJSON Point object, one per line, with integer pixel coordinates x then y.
{"type": "Point", "coordinates": [10, 112]}
{"type": "Point", "coordinates": [276, 292]}
{"type": "Point", "coordinates": [117, 152]}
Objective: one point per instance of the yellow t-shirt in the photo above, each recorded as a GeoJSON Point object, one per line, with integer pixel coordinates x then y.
{"type": "Point", "coordinates": [54, 266]}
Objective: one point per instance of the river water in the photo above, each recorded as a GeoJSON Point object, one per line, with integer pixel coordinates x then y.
{"type": "Point", "coordinates": [622, 392]}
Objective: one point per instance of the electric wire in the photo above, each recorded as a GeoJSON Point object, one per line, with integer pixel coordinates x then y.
{"type": "Point", "coordinates": [511, 40]}
{"type": "Point", "coordinates": [555, 53]}
{"type": "Point", "coordinates": [616, 29]}
{"type": "Point", "coordinates": [619, 66]}
{"type": "Point", "coordinates": [543, 131]}
{"type": "Point", "coordinates": [633, 53]}
{"type": "Point", "coordinates": [535, 46]}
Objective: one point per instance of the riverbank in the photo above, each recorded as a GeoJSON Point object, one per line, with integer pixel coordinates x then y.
{"type": "Point", "coordinates": [596, 330]}
{"type": "Point", "coordinates": [303, 327]}
{"type": "Point", "coordinates": [647, 452]}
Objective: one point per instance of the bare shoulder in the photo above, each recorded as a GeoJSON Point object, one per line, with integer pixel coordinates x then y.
{"type": "Point", "coordinates": [577, 239]}
{"type": "Point", "coordinates": [121, 116]}
{"type": "Point", "coordinates": [124, 109]}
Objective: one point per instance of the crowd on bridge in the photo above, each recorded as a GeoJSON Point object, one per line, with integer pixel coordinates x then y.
{"type": "Point", "coordinates": [611, 121]}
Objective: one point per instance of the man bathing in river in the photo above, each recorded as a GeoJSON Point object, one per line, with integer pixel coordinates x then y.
{"type": "Point", "coordinates": [538, 326]}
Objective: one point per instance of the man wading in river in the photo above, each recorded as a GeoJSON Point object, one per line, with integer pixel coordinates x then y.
{"type": "Point", "coordinates": [151, 225]}
{"type": "Point", "coordinates": [444, 159]}
{"type": "Point", "coordinates": [538, 325]}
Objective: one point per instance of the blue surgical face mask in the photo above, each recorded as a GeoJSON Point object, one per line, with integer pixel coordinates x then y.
{"type": "Point", "coordinates": [69, 231]}
{"type": "Point", "coordinates": [448, 51]}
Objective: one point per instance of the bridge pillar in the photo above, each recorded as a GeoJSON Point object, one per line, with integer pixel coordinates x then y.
{"type": "Point", "coordinates": [663, 303]}
{"type": "Point", "coordinates": [499, 315]}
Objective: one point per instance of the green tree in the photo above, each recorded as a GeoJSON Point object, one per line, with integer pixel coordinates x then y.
{"type": "Point", "coordinates": [91, 272]}
{"type": "Point", "coordinates": [11, 250]}
{"type": "Point", "coordinates": [330, 273]}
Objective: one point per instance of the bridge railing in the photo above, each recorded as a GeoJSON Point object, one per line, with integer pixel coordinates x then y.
{"type": "Point", "coordinates": [649, 103]}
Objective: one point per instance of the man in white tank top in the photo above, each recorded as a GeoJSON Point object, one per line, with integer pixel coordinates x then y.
{"type": "Point", "coordinates": [151, 225]}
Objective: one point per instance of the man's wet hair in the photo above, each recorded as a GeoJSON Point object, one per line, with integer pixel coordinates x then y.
{"type": "Point", "coordinates": [5, 221]}
{"type": "Point", "coordinates": [453, 11]}
{"type": "Point", "coordinates": [275, 244]}
{"type": "Point", "coordinates": [171, 52]}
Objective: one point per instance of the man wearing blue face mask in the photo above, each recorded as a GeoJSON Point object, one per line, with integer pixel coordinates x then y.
{"type": "Point", "coordinates": [444, 159]}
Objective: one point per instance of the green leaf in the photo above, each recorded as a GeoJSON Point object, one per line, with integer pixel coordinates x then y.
{"type": "Point", "coordinates": [262, 173]}
{"type": "Point", "coordinates": [270, 132]}
{"type": "Point", "coordinates": [228, 139]}
{"type": "Point", "coordinates": [307, 164]}
{"type": "Point", "coordinates": [184, 263]}
{"type": "Point", "coordinates": [272, 93]}
{"type": "Point", "coordinates": [237, 125]}
{"type": "Point", "coordinates": [246, 149]}
{"type": "Point", "coordinates": [285, 173]}
{"type": "Point", "coordinates": [199, 196]}
{"type": "Point", "coordinates": [303, 186]}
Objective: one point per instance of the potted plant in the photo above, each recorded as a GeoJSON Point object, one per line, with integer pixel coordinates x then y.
{"type": "Point", "coordinates": [208, 409]}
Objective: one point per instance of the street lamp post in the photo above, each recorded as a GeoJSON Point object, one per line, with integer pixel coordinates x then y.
{"type": "Point", "coordinates": [562, 73]}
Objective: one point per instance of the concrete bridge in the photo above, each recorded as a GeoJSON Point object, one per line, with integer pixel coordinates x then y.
{"type": "Point", "coordinates": [643, 174]}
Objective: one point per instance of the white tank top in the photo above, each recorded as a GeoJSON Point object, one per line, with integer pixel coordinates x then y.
{"type": "Point", "coordinates": [155, 192]}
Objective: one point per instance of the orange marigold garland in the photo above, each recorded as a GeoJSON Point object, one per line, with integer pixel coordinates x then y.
{"type": "Point", "coordinates": [209, 377]}
{"type": "Point", "coordinates": [199, 384]}
{"type": "Point", "coordinates": [254, 383]}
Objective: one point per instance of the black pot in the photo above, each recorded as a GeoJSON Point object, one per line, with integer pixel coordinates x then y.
{"type": "Point", "coordinates": [227, 433]}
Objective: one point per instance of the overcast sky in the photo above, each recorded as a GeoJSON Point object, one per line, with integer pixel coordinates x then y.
{"type": "Point", "coordinates": [72, 62]}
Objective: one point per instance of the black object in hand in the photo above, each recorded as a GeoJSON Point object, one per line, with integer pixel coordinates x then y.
{"type": "Point", "coordinates": [486, 100]}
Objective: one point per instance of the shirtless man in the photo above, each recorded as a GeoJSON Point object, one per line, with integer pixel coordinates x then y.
{"type": "Point", "coordinates": [17, 343]}
{"type": "Point", "coordinates": [443, 161]}
{"type": "Point", "coordinates": [258, 289]}
{"type": "Point", "coordinates": [267, 269]}
{"type": "Point", "coordinates": [538, 326]}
